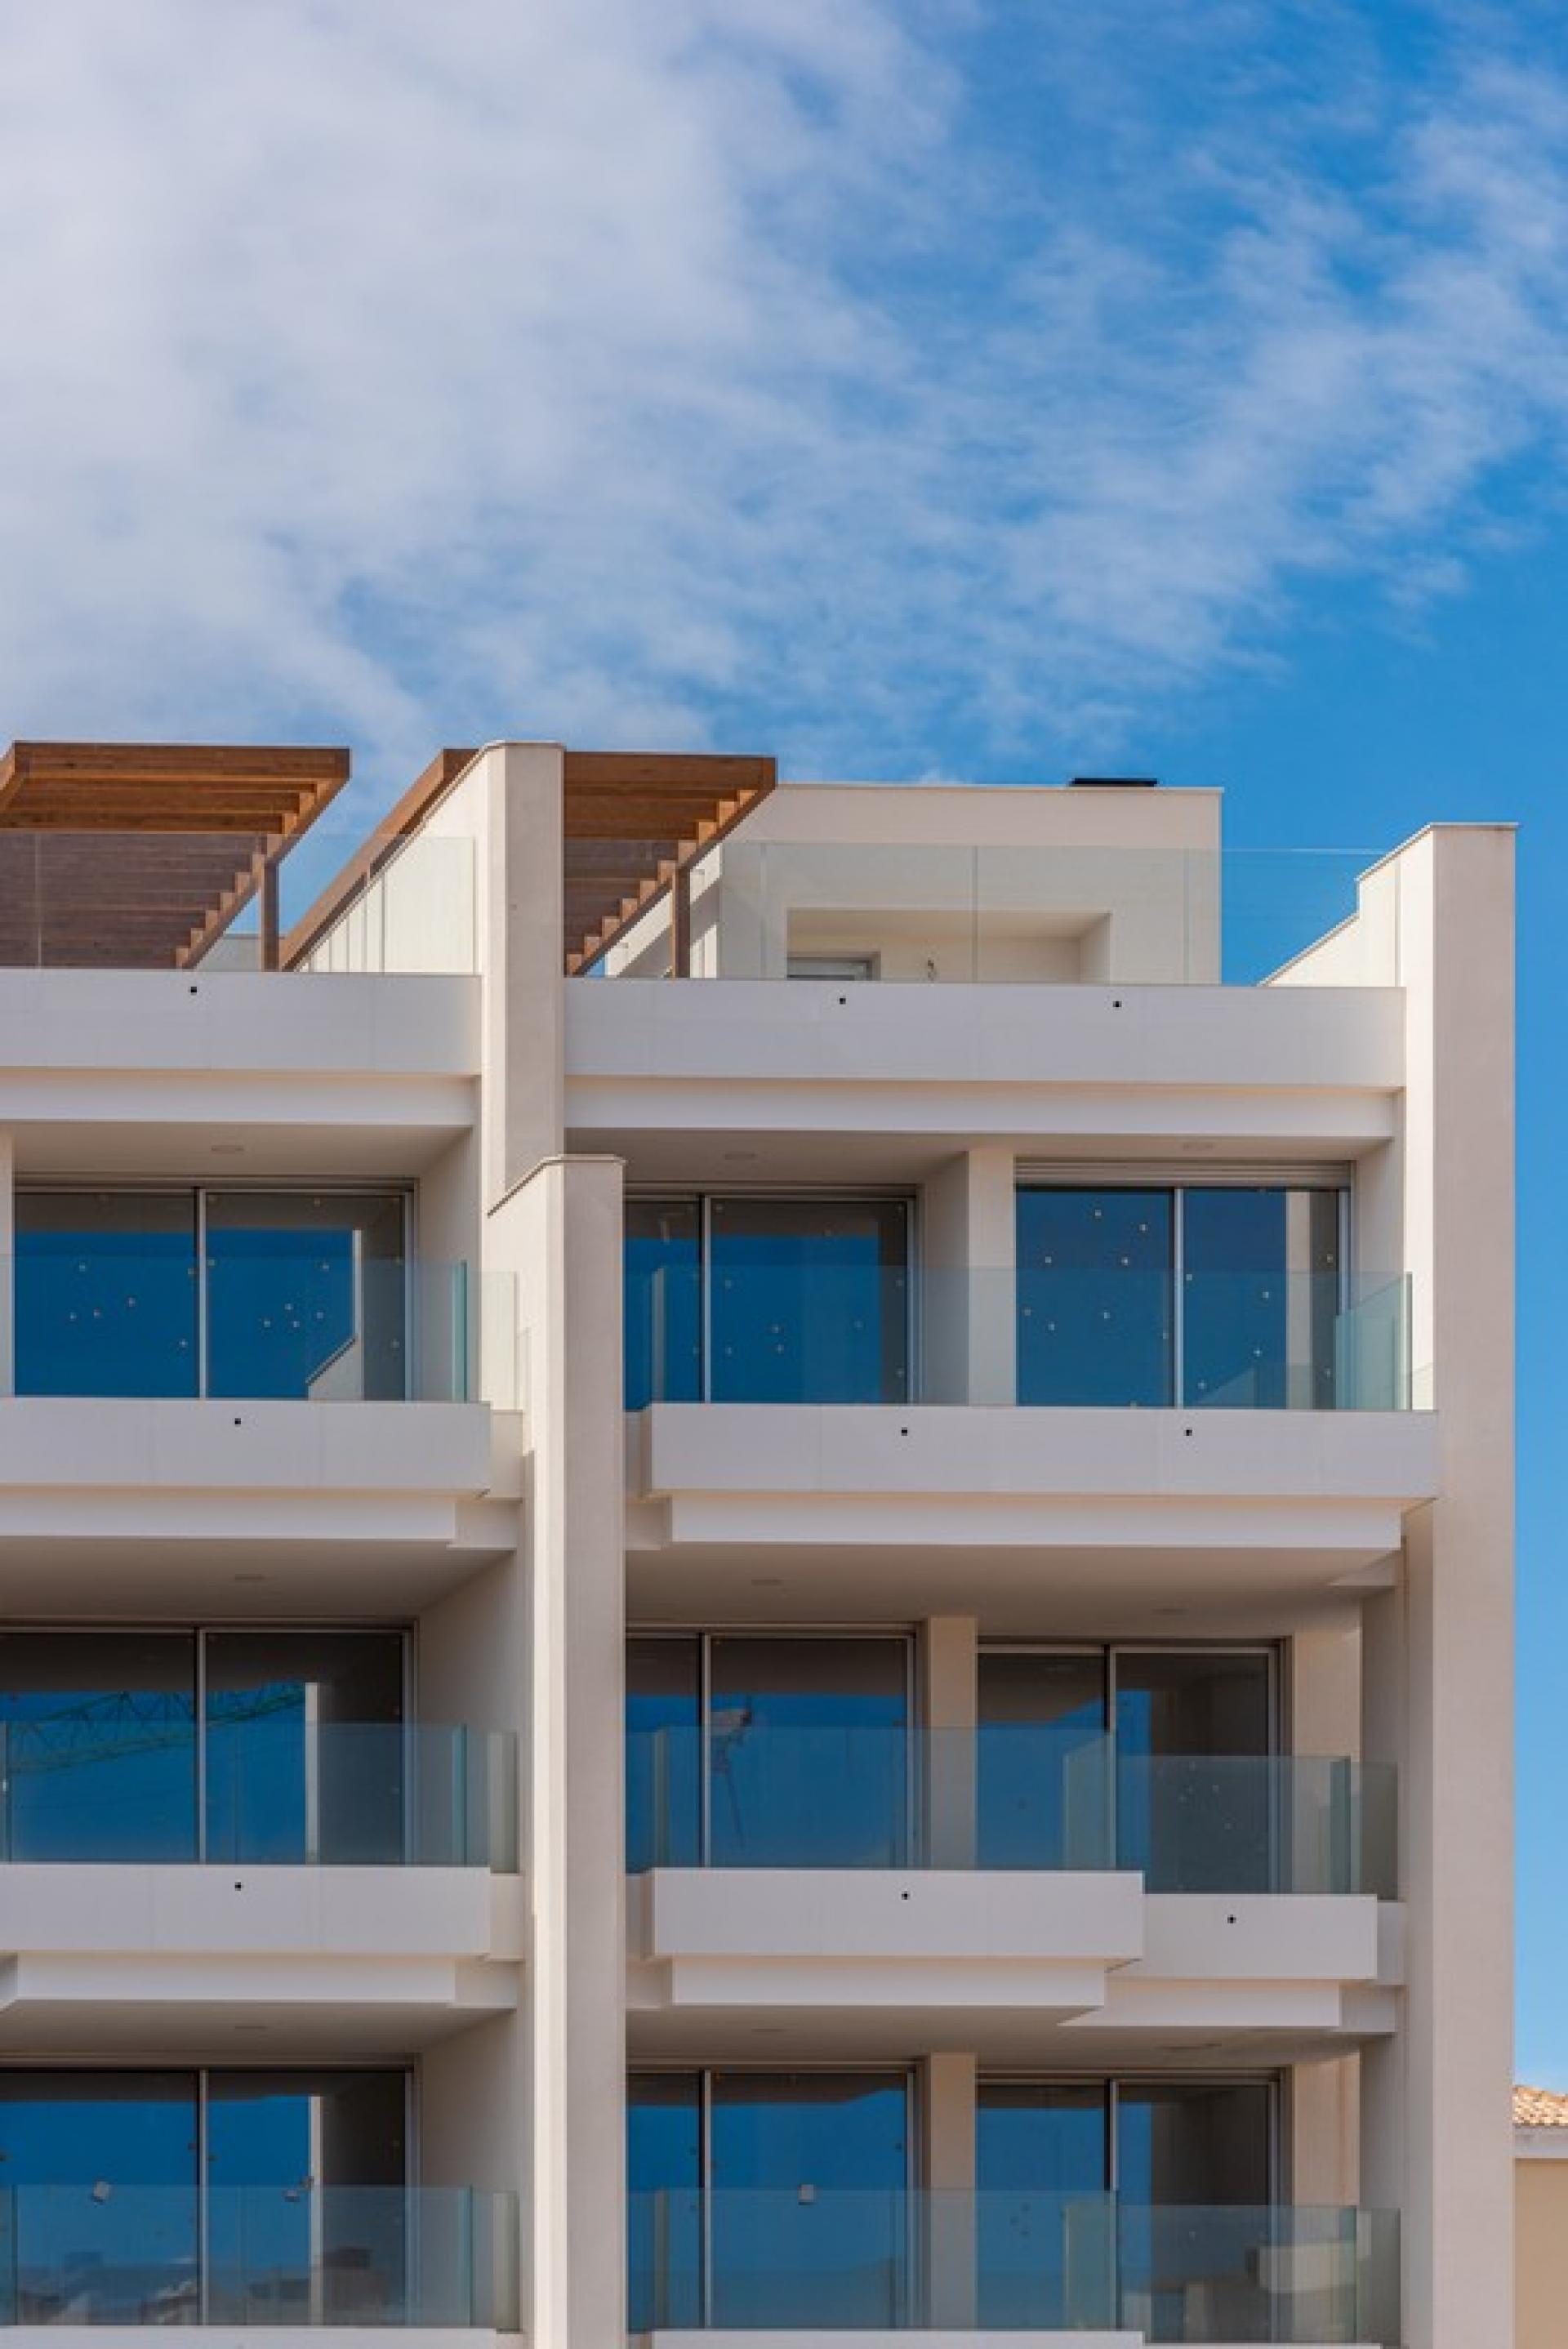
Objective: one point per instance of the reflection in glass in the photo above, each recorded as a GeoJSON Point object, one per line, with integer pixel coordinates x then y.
{"type": "Point", "coordinates": [1096, 1304]}
{"type": "Point", "coordinates": [1261, 1298]}
{"type": "Point", "coordinates": [663, 2175]}
{"type": "Point", "coordinates": [306, 1750]}
{"type": "Point", "coordinates": [100, 1744]}
{"type": "Point", "coordinates": [663, 1302]}
{"type": "Point", "coordinates": [306, 1295]}
{"type": "Point", "coordinates": [1039, 2146]}
{"type": "Point", "coordinates": [1184, 1828]}
{"type": "Point", "coordinates": [106, 1300]}
{"type": "Point", "coordinates": [663, 1753]}
{"type": "Point", "coordinates": [818, 2234]}
{"type": "Point", "coordinates": [809, 1300]}
{"type": "Point", "coordinates": [99, 2194]}
{"type": "Point", "coordinates": [1044, 1799]}
{"type": "Point", "coordinates": [1186, 2150]}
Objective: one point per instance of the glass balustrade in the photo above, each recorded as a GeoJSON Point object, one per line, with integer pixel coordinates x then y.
{"type": "Point", "coordinates": [1007, 1795]}
{"type": "Point", "coordinates": [1118, 1335]}
{"type": "Point", "coordinates": [142, 1315]}
{"type": "Point", "coordinates": [137, 1783]}
{"type": "Point", "coordinates": [812, 2258]}
{"type": "Point", "coordinates": [294, 2254]}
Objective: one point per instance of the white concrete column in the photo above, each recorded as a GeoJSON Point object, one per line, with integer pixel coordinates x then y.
{"type": "Point", "coordinates": [969, 1310]}
{"type": "Point", "coordinates": [947, 2113]}
{"type": "Point", "coordinates": [561, 1229]}
{"type": "Point", "coordinates": [523, 886]}
{"type": "Point", "coordinates": [1450, 2082]}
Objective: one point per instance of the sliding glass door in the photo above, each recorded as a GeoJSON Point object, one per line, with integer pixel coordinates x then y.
{"type": "Point", "coordinates": [746, 1750]}
{"type": "Point", "coordinates": [1224, 1295]}
{"type": "Point", "coordinates": [261, 1746]}
{"type": "Point", "coordinates": [745, 1298]}
{"type": "Point", "coordinates": [295, 1295]}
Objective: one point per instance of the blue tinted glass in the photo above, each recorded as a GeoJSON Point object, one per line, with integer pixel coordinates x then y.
{"type": "Point", "coordinates": [1260, 1296]}
{"type": "Point", "coordinates": [100, 2172]}
{"type": "Point", "coordinates": [809, 2207]}
{"type": "Point", "coordinates": [306, 1750]}
{"type": "Point", "coordinates": [663, 2155]}
{"type": "Point", "coordinates": [106, 1294]}
{"type": "Point", "coordinates": [1095, 1296]}
{"type": "Point", "coordinates": [99, 1743]}
{"type": "Point", "coordinates": [306, 2203]}
{"type": "Point", "coordinates": [1185, 1826]}
{"type": "Point", "coordinates": [305, 1296]}
{"type": "Point", "coordinates": [663, 1302]}
{"type": "Point", "coordinates": [1044, 1796]}
{"type": "Point", "coordinates": [663, 1753]}
{"type": "Point", "coordinates": [809, 1753]}
{"type": "Point", "coordinates": [809, 1300]}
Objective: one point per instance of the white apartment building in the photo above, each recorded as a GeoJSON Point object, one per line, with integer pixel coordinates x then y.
{"type": "Point", "coordinates": [756, 1549]}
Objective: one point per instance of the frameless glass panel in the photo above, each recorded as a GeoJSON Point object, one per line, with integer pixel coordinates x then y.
{"type": "Point", "coordinates": [1044, 1798]}
{"type": "Point", "coordinates": [663, 2175]}
{"type": "Point", "coordinates": [304, 1745]}
{"type": "Point", "coordinates": [100, 2189]}
{"type": "Point", "coordinates": [1176, 1708]}
{"type": "Point", "coordinates": [306, 1295]}
{"type": "Point", "coordinates": [1260, 1298]}
{"type": "Point", "coordinates": [809, 1300]}
{"type": "Point", "coordinates": [1183, 2148]}
{"type": "Point", "coordinates": [663, 1302]}
{"type": "Point", "coordinates": [663, 1753]}
{"type": "Point", "coordinates": [810, 2210]}
{"type": "Point", "coordinates": [1096, 1305]}
{"type": "Point", "coordinates": [808, 1753]}
{"type": "Point", "coordinates": [105, 1296]}
{"type": "Point", "coordinates": [1041, 2146]}
{"type": "Point", "coordinates": [99, 1744]}
{"type": "Point", "coordinates": [315, 2237]}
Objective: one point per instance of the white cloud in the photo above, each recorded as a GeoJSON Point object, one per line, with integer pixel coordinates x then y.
{"type": "Point", "coordinates": [818, 373]}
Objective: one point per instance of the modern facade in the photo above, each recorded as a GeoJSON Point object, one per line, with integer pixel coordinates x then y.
{"type": "Point", "coordinates": [757, 1557]}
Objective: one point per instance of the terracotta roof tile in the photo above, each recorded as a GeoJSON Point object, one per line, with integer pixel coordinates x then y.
{"type": "Point", "coordinates": [1540, 2108]}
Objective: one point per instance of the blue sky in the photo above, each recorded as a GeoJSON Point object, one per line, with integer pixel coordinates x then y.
{"type": "Point", "coordinates": [1000, 388]}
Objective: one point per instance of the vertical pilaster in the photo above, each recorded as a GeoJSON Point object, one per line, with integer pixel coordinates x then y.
{"type": "Point", "coordinates": [970, 1326]}
{"type": "Point", "coordinates": [7, 1265]}
{"type": "Point", "coordinates": [948, 2165]}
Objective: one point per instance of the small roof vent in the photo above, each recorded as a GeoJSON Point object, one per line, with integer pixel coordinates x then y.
{"type": "Point", "coordinates": [1114, 783]}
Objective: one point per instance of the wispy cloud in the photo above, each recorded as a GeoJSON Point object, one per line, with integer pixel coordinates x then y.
{"type": "Point", "coordinates": [830, 373]}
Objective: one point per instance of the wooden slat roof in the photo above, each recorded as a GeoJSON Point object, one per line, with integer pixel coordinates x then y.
{"type": "Point", "coordinates": [632, 820]}
{"type": "Point", "coordinates": [636, 820]}
{"type": "Point", "coordinates": [135, 856]}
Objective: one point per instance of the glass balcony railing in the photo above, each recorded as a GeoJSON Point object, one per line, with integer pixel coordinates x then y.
{"type": "Point", "coordinates": [1045, 1337]}
{"type": "Point", "coordinates": [144, 1317]}
{"type": "Point", "coordinates": [296, 2254]}
{"type": "Point", "coordinates": [142, 1784]}
{"type": "Point", "coordinates": [1012, 1795]}
{"type": "Point", "coordinates": [845, 912]}
{"type": "Point", "coordinates": [821, 2258]}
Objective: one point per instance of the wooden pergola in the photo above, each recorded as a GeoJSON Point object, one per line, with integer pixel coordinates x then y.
{"type": "Point", "coordinates": [635, 826]}
{"type": "Point", "coordinates": [138, 856]}
{"type": "Point", "coordinates": [634, 822]}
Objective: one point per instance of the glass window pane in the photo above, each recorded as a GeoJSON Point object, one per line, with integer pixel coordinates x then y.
{"type": "Point", "coordinates": [1095, 1296]}
{"type": "Point", "coordinates": [305, 1746]}
{"type": "Point", "coordinates": [808, 1753]}
{"type": "Point", "coordinates": [663, 1302]}
{"type": "Point", "coordinates": [663, 2171]}
{"type": "Point", "coordinates": [1197, 2142]}
{"type": "Point", "coordinates": [810, 2207]}
{"type": "Point", "coordinates": [100, 1744]}
{"type": "Point", "coordinates": [1261, 1288]}
{"type": "Point", "coordinates": [306, 1295]}
{"type": "Point", "coordinates": [664, 1748]}
{"type": "Point", "coordinates": [100, 2183]}
{"type": "Point", "coordinates": [106, 1293]}
{"type": "Point", "coordinates": [809, 1300]}
{"type": "Point", "coordinates": [1043, 2135]}
{"type": "Point", "coordinates": [1041, 2146]}
{"type": "Point", "coordinates": [307, 2217]}
{"type": "Point", "coordinates": [1195, 1796]}
{"type": "Point", "coordinates": [1044, 1794]}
